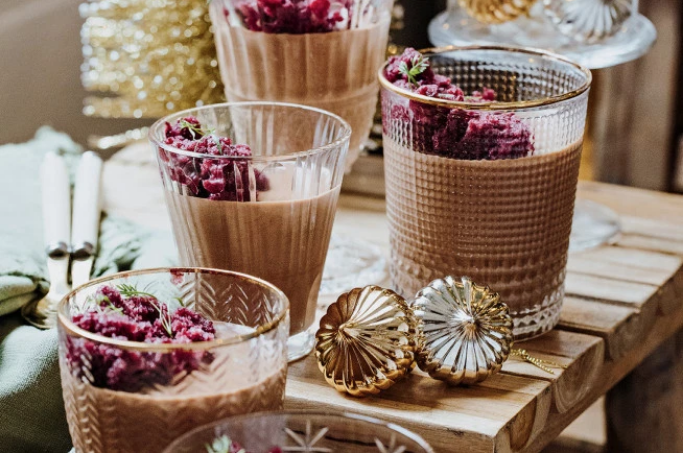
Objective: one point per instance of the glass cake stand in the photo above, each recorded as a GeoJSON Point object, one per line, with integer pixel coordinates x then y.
{"type": "Point", "coordinates": [594, 224]}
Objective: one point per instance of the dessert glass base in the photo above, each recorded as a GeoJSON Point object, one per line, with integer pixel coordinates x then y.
{"type": "Point", "coordinates": [594, 224]}
{"type": "Point", "coordinates": [351, 263]}
{"type": "Point", "coordinates": [300, 345]}
{"type": "Point", "coordinates": [533, 322]}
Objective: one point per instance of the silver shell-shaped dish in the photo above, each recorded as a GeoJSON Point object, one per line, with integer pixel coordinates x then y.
{"type": "Point", "coordinates": [465, 331]}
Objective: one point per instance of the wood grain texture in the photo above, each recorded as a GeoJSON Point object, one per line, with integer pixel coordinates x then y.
{"type": "Point", "coordinates": [623, 301]}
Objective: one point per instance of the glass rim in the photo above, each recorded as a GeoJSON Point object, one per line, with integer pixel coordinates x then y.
{"type": "Point", "coordinates": [343, 415]}
{"type": "Point", "coordinates": [492, 105]}
{"type": "Point", "coordinates": [153, 135]}
{"type": "Point", "coordinates": [65, 322]}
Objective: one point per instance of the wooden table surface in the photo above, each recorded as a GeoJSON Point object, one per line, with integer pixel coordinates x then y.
{"type": "Point", "coordinates": [623, 301]}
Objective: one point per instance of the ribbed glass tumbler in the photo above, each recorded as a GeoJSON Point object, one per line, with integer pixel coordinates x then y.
{"type": "Point", "coordinates": [487, 189]}
{"type": "Point", "coordinates": [319, 53]}
{"type": "Point", "coordinates": [125, 396]}
{"type": "Point", "coordinates": [267, 214]}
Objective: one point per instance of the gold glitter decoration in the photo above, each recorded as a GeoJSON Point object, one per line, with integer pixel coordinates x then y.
{"type": "Point", "coordinates": [147, 58]}
{"type": "Point", "coordinates": [496, 11]}
{"type": "Point", "coordinates": [465, 331]}
{"type": "Point", "coordinates": [366, 341]}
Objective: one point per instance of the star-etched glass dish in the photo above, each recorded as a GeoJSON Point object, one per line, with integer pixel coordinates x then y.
{"type": "Point", "coordinates": [305, 432]}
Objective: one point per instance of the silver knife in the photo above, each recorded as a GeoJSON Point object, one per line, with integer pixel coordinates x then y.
{"type": "Point", "coordinates": [56, 200]}
{"type": "Point", "coordinates": [85, 222]}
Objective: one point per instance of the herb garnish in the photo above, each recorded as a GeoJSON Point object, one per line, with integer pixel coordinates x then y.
{"type": "Point", "coordinates": [419, 65]}
{"type": "Point", "coordinates": [199, 132]}
{"type": "Point", "coordinates": [164, 316]}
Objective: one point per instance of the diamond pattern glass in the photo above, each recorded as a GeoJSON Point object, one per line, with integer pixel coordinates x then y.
{"type": "Point", "coordinates": [504, 222]}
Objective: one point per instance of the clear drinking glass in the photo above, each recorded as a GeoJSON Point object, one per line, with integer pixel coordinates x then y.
{"type": "Point", "coordinates": [243, 370]}
{"type": "Point", "coordinates": [304, 432]}
{"type": "Point", "coordinates": [289, 53]}
{"type": "Point", "coordinates": [505, 222]}
{"type": "Point", "coordinates": [274, 218]}
{"type": "Point", "coordinates": [300, 51]}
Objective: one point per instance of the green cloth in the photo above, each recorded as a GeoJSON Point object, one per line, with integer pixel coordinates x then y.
{"type": "Point", "coordinates": [32, 417]}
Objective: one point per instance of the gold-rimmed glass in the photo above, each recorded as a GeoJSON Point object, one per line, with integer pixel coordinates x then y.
{"type": "Point", "coordinates": [503, 222]}
{"type": "Point", "coordinates": [304, 431]}
{"type": "Point", "coordinates": [243, 370]}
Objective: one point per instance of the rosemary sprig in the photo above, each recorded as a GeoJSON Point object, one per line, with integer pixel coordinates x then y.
{"type": "Point", "coordinates": [222, 445]}
{"type": "Point", "coordinates": [192, 127]}
{"type": "Point", "coordinates": [419, 64]}
{"type": "Point", "coordinates": [131, 291]}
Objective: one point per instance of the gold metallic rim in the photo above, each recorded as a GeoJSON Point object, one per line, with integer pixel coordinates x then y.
{"type": "Point", "coordinates": [71, 328]}
{"type": "Point", "coordinates": [516, 105]}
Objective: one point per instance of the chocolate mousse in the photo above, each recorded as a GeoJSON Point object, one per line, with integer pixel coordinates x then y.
{"type": "Point", "coordinates": [123, 400]}
{"type": "Point", "coordinates": [303, 52]}
{"type": "Point", "coordinates": [276, 231]}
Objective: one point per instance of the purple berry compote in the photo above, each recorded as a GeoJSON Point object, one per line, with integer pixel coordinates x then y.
{"type": "Point", "coordinates": [123, 313]}
{"type": "Point", "coordinates": [453, 133]}
{"type": "Point", "coordinates": [219, 178]}
{"type": "Point", "coordinates": [294, 16]}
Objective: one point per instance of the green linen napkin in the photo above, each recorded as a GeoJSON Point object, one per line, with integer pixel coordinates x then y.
{"type": "Point", "coordinates": [32, 415]}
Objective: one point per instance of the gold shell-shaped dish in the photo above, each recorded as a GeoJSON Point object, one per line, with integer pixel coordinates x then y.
{"type": "Point", "coordinates": [366, 341]}
{"type": "Point", "coordinates": [496, 11]}
{"type": "Point", "coordinates": [465, 331]}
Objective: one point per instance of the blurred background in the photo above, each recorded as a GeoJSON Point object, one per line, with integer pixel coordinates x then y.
{"type": "Point", "coordinates": [635, 126]}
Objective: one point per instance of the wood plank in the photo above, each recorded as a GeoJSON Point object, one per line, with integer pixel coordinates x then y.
{"type": "Point", "coordinates": [582, 356]}
{"type": "Point", "coordinates": [602, 289]}
{"type": "Point", "coordinates": [620, 327]}
{"type": "Point", "coordinates": [503, 411]}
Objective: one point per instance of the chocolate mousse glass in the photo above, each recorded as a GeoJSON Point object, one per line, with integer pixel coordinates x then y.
{"type": "Point", "coordinates": [253, 188]}
{"type": "Point", "coordinates": [482, 148]}
{"type": "Point", "coordinates": [322, 53]}
{"type": "Point", "coordinates": [149, 355]}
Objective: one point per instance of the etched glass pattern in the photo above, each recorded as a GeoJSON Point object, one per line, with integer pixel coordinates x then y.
{"type": "Point", "coordinates": [505, 223]}
{"type": "Point", "coordinates": [305, 432]}
{"type": "Point", "coordinates": [246, 373]}
{"type": "Point", "coordinates": [274, 218]}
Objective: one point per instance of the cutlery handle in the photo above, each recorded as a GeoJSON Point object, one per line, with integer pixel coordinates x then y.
{"type": "Point", "coordinates": [56, 196]}
{"type": "Point", "coordinates": [86, 216]}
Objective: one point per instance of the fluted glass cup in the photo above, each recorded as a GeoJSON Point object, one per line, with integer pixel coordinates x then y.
{"type": "Point", "coordinates": [503, 220]}
{"type": "Point", "coordinates": [296, 52]}
{"type": "Point", "coordinates": [274, 217]}
{"type": "Point", "coordinates": [304, 432]}
{"type": "Point", "coordinates": [126, 396]}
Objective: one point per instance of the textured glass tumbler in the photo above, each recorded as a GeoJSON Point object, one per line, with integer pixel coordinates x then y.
{"type": "Point", "coordinates": [274, 217]}
{"type": "Point", "coordinates": [332, 70]}
{"type": "Point", "coordinates": [504, 222]}
{"type": "Point", "coordinates": [304, 432]}
{"type": "Point", "coordinates": [243, 370]}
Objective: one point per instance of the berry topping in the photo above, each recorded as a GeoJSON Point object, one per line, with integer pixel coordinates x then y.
{"type": "Point", "coordinates": [453, 133]}
{"type": "Point", "coordinates": [295, 16]}
{"type": "Point", "coordinates": [219, 178]}
{"type": "Point", "coordinates": [124, 313]}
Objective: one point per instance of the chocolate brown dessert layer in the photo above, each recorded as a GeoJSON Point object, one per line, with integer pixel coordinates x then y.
{"type": "Point", "coordinates": [334, 71]}
{"type": "Point", "coordinates": [504, 223]}
{"type": "Point", "coordinates": [107, 421]}
{"type": "Point", "coordinates": [282, 242]}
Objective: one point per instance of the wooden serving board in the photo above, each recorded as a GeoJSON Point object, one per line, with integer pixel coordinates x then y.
{"type": "Point", "coordinates": [623, 301]}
